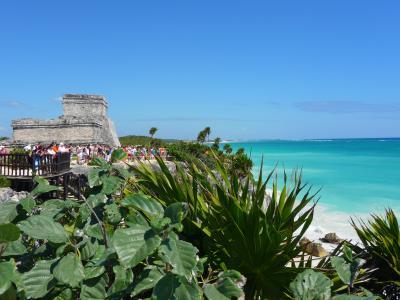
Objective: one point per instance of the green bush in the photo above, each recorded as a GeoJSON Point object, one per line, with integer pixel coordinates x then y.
{"type": "Point", "coordinates": [4, 182]}
{"type": "Point", "coordinates": [111, 245]}
{"type": "Point", "coordinates": [380, 237]}
{"type": "Point", "coordinates": [19, 151]}
{"type": "Point", "coordinates": [230, 221]}
{"type": "Point", "coordinates": [134, 140]}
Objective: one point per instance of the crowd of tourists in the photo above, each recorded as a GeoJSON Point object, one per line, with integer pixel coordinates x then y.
{"type": "Point", "coordinates": [82, 154]}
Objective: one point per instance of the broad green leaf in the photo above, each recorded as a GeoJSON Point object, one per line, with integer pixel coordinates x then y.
{"type": "Point", "coordinates": [89, 249]}
{"type": "Point", "coordinates": [141, 202]}
{"type": "Point", "coordinates": [136, 218]}
{"type": "Point", "coordinates": [110, 184]}
{"type": "Point", "coordinates": [6, 276]}
{"type": "Point", "coordinates": [8, 212]}
{"type": "Point", "coordinates": [180, 255]}
{"type": "Point", "coordinates": [84, 212]}
{"type": "Point", "coordinates": [160, 224]}
{"type": "Point", "coordinates": [69, 270]}
{"type": "Point", "coordinates": [38, 281]}
{"type": "Point", "coordinates": [93, 272]}
{"type": "Point", "coordinates": [134, 244]}
{"type": "Point", "coordinates": [43, 227]}
{"type": "Point", "coordinates": [99, 162]}
{"type": "Point", "coordinates": [43, 187]}
{"type": "Point", "coordinates": [174, 288]}
{"type": "Point", "coordinates": [118, 154]}
{"type": "Point", "coordinates": [165, 288]}
{"type": "Point", "coordinates": [123, 278]}
{"type": "Point", "coordinates": [9, 233]}
{"type": "Point", "coordinates": [28, 204]}
{"type": "Point", "coordinates": [15, 248]}
{"type": "Point", "coordinates": [213, 293]}
{"type": "Point", "coordinates": [93, 177]}
{"type": "Point", "coordinates": [347, 253]}
{"type": "Point", "coordinates": [52, 207]}
{"type": "Point", "coordinates": [94, 230]}
{"type": "Point", "coordinates": [147, 280]}
{"type": "Point", "coordinates": [94, 289]}
{"type": "Point", "coordinates": [342, 268]}
{"type": "Point", "coordinates": [311, 285]}
{"type": "Point", "coordinates": [186, 290]}
{"type": "Point", "coordinates": [124, 173]}
{"type": "Point", "coordinates": [176, 212]}
{"type": "Point", "coordinates": [96, 200]}
{"type": "Point", "coordinates": [112, 213]}
{"type": "Point", "coordinates": [228, 288]}
{"type": "Point", "coordinates": [66, 294]}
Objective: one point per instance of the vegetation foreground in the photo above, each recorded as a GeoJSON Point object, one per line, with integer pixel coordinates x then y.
{"type": "Point", "coordinates": [200, 231]}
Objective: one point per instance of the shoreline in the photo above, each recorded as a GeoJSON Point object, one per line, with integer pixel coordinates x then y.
{"type": "Point", "coordinates": [327, 221]}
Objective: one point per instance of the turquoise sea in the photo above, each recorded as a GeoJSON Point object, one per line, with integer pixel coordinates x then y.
{"type": "Point", "coordinates": [355, 175]}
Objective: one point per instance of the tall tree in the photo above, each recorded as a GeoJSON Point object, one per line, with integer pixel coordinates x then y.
{"type": "Point", "coordinates": [207, 132]}
{"type": "Point", "coordinates": [217, 141]}
{"type": "Point", "coordinates": [228, 148]}
{"type": "Point", "coordinates": [153, 131]}
{"type": "Point", "coordinates": [201, 137]}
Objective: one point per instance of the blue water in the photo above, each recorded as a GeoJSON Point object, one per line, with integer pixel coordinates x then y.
{"type": "Point", "coordinates": [355, 175]}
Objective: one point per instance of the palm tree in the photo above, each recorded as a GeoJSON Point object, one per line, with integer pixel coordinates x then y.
{"type": "Point", "coordinates": [153, 131]}
{"type": "Point", "coordinates": [240, 151]}
{"type": "Point", "coordinates": [228, 148]}
{"type": "Point", "coordinates": [217, 141]}
{"type": "Point", "coordinates": [207, 132]}
{"type": "Point", "coordinates": [201, 137]}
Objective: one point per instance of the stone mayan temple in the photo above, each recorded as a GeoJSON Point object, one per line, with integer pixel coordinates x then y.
{"type": "Point", "coordinates": [84, 121]}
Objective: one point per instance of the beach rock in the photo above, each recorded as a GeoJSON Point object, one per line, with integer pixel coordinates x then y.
{"type": "Point", "coordinates": [332, 238]}
{"type": "Point", "coordinates": [9, 195]}
{"type": "Point", "coordinates": [314, 249]}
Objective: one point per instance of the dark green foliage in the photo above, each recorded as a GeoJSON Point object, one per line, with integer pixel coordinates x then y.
{"type": "Point", "coordinates": [19, 151]}
{"type": "Point", "coordinates": [134, 140]}
{"type": "Point", "coordinates": [232, 223]}
{"type": "Point", "coordinates": [4, 182]}
{"type": "Point", "coordinates": [153, 131]}
{"type": "Point", "coordinates": [189, 152]}
{"type": "Point", "coordinates": [380, 237]}
{"type": "Point", "coordinates": [112, 245]}
{"type": "Point", "coordinates": [228, 148]}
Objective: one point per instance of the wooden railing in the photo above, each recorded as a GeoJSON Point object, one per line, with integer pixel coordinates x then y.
{"type": "Point", "coordinates": [24, 165]}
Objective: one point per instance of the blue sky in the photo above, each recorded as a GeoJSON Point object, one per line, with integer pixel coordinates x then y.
{"type": "Point", "coordinates": [248, 69]}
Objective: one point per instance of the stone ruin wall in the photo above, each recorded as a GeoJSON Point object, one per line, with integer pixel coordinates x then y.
{"type": "Point", "coordinates": [84, 121]}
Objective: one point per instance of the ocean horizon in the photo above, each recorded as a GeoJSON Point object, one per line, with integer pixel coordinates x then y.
{"type": "Point", "coordinates": [354, 175]}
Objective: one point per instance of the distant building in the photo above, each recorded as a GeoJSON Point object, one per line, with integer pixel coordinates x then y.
{"type": "Point", "coordinates": [84, 121]}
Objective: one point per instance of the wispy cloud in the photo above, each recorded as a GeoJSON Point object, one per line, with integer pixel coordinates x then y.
{"type": "Point", "coordinates": [2, 128]}
{"type": "Point", "coordinates": [343, 107]}
{"type": "Point", "coordinates": [13, 103]}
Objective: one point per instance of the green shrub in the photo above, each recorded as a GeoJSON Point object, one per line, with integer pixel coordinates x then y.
{"type": "Point", "coordinates": [230, 221]}
{"type": "Point", "coordinates": [111, 245]}
{"type": "Point", "coordinates": [380, 237]}
{"type": "Point", "coordinates": [134, 140]}
{"type": "Point", "coordinates": [19, 151]}
{"type": "Point", "coordinates": [4, 182]}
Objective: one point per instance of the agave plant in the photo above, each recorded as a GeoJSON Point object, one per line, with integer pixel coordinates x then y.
{"type": "Point", "coordinates": [237, 222]}
{"type": "Point", "coordinates": [380, 237]}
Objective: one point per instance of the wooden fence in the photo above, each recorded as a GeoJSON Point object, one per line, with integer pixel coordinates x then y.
{"type": "Point", "coordinates": [24, 165]}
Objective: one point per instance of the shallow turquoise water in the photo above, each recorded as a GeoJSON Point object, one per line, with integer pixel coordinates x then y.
{"type": "Point", "coordinates": [356, 175]}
